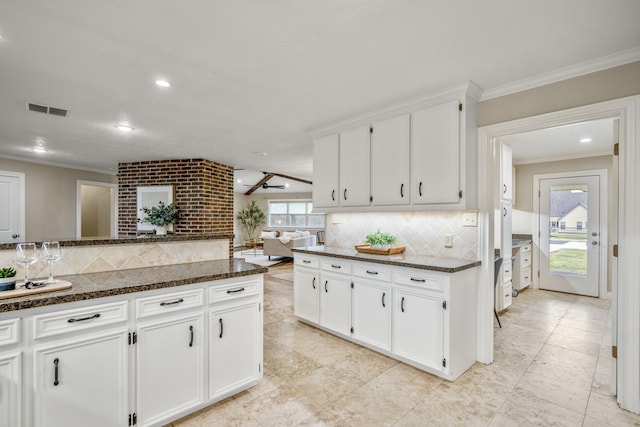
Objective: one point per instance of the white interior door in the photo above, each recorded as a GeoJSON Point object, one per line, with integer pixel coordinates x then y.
{"type": "Point", "coordinates": [570, 235]}
{"type": "Point", "coordinates": [11, 207]}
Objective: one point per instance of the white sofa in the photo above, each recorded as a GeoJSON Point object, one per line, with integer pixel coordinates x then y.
{"type": "Point", "coordinates": [273, 246]}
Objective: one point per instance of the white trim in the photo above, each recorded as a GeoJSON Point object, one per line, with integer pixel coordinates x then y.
{"type": "Point", "coordinates": [627, 285]}
{"type": "Point", "coordinates": [592, 66]}
{"type": "Point", "coordinates": [113, 205]}
{"type": "Point", "coordinates": [22, 202]}
{"type": "Point", "coordinates": [603, 204]}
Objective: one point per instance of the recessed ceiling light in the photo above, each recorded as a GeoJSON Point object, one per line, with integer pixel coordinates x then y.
{"type": "Point", "coordinates": [239, 181]}
{"type": "Point", "coordinates": [39, 149]}
{"type": "Point", "coordinates": [585, 140]}
{"type": "Point", "coordinates": [163, 83]}
{"type": "Point", "coordinates": [286, 185]}
{"type": "Point", "coordinates": [124, 127]}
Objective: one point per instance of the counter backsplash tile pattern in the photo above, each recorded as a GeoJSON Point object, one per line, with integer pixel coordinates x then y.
{"type": "Point", "coordinates": [93, 259]}
{"type": "Point", "coordinates": [422, 233]}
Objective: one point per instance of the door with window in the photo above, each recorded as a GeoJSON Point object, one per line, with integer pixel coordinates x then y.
{"type": "Point", "coordinates": [570, 235]}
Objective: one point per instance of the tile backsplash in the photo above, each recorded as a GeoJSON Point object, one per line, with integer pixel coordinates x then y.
{"type": "Point", "coordinates": [421, 233]}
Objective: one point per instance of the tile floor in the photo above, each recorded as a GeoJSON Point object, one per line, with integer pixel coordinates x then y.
{"type": "Point", "coordinates": [552, 368]}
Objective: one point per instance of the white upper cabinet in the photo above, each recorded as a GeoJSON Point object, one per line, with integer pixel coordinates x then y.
{"type": "Point", "coordinates": [390, 153]}
{"type": "Point", "coordinates": [435, 154]}
{"type": "Point", "coordinates": [506, 172]}
{"type": "Point", "coordinates": [355, 166]}
{"type": "Point", "coordinates": [326, 154]}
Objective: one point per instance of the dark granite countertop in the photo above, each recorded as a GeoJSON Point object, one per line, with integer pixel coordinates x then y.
{"type": "Point", "coordinates": [423, 262]}
{"type": "Point", "coordinates": [127, 240]}
{"type": "Point", "coordinates": [109, 283]}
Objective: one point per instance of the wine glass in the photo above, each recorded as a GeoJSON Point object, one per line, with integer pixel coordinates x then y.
{"type": "Point", "coordinates": [51, 253]}
{"type": "Point", "coordinates": [26, 255]}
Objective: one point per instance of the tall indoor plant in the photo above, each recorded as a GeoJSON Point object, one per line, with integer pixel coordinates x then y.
{"type": "Point", "coordinates": [251, 218]}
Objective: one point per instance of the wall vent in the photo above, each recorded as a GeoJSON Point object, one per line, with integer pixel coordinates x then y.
{"type": "Point", "coordinates": [60, 112]}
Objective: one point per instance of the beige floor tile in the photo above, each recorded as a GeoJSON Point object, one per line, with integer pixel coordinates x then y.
{"type": "Point", "coordinates": [365, 364]}
{"type": "Point", "coordinates": [524, 408]}
{"type": "Point", "coordinates": [564, 364]}
{"type": "Point", "coordinates": [444, 407]}
{"type": "Point", "coordinates": [604, 411]}
{"type": "Point", "coordinates": [285, 363]}
{"type": "Point", "coordinates": [576, 343]}
{"type": "Point", "coordinates": [568, 394]}
{"type": "Point", "coordinates": [225, 413]}
{"type": "Point", "coordinates": [502, 421]}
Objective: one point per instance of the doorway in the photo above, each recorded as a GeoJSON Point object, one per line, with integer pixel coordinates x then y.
{"type": "Point", "coordinates": [12, 201]}
{"type": "Point", "coordinates": [96, 209]}
{"type": "Point", "coordinates": [571, 242]}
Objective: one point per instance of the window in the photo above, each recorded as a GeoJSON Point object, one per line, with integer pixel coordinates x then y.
{"type": "Point", "coordinates": [579, 225]}
{"type": "Point", "coordinates": [294, 214]}
{"type": "Point", "coordinates": [563, 225]}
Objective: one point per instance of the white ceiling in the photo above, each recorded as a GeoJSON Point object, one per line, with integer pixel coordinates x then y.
{"type": "Point", "coordinates": [563, 142]}
{"type": "Point", "coordinates": [252, 77]}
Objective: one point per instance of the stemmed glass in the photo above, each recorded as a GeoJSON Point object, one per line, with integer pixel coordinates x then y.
{"type": "Point", "coordinates": [26, 255]}
{"type": "Point", "coordinates": [51, 253]}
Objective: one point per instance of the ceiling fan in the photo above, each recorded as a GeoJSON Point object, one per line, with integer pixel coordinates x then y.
{"type": "Point", "coordinates": [267, 176]}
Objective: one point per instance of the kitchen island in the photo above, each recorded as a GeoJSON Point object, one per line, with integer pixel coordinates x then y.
{"type": "Point", "coordinates": [417, 309]}
{"type": "Point", "coordinates": [132, 347]}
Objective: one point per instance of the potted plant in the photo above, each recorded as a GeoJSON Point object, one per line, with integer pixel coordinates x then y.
{"type": "Point", "coordinates": [7, 279]}
{"type": "Point", "coordinates": [380, 240]}
{"type": "Point", "coordinates": [160, 216]}
{"type": "Point", "coordinates": [251, 218]}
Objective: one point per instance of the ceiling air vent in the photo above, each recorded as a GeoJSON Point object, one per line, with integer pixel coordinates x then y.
{"type": "Point", "coordinates": [46, 110]}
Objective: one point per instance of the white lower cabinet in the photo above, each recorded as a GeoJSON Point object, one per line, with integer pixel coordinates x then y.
{"type": "Point", "coordinates": [146, 359]}
{"type": "Point", "coordinates": [335, 302]}
{"type": "Point", "coordinates": [234, 337]}
{"type": "Point", "coordinates": [169, 367]}
{"type": "Point", "coordinates": [82, 381]}
{"type": "Point", "coordinates": [372, 303]}
{"type": "Point", "coordinates": [422, 317]}
{"type": "Point", "coordinates": [306, 291]}
{"type": "Point", "coordinates": [10, 389]}
{"type": "Point", "coordinates": [419, 327]}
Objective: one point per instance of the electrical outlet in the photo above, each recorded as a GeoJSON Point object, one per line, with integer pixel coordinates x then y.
{"type": "Point", "coordinates": [470, 219]}
{"type": "Point", "coordinates": [448, 241]}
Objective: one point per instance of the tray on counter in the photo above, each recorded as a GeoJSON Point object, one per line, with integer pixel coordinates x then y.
{"type": "Point", "coordinates": [391, 251]}
{"type": "Point", "coordinates": [22, 291]}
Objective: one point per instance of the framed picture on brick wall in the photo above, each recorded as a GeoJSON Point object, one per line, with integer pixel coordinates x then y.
{"type": "Point", "coordinates": [149, 197]}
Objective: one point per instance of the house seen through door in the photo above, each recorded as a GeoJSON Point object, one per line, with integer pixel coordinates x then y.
{"type": "Point", "coordinates": [570, 234]}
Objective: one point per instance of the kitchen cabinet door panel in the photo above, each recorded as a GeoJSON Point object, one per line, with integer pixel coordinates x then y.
{"type": "Point", "coordinates": [10, 389]}
{"type": "Point", "coordinates": [335, 303]}
{"type": "Point", "coordinates": [326, 154]}
{"type": "Point", "coordinates": [355, 166]}
{"type": "Point", "coordinates": [82, 383]}
{"type": "Point", "coordinates": [418, 327]}
{"type": "Point", "coordinates": [372, 304]}
{"type": "Point", "coordinates": [170, 367]}
{"type": "Point", "coordinates": [435, 154]}
{"type": "Point", "coordinates": [234, 337]}
{"type": "Point", "coordinates": [306, 296]}
{"type": "Point", "coordinates": [390, 160]}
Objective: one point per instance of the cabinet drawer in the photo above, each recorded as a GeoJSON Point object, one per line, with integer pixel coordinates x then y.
{"type": "Point", "coordinates": [507, 295]}
{"type": "Point", "coordinates": [306, 261]}
{"type": "Point", "coordinates": [370, 271]}
{"type": "Point", "coordinates": [507, 271]}
{"type": "Point", "coordinates": [233, 290]}
{"type": "Point", "coordinates": [9, 332]}
{"type": "Point", "coordinates": [337, 266]}
{"type": "Point", "coordinates": [420, 279]}
{"type": "Point", "coordinates": [60, 322]}
{"type": "Point", "coordinates": [168, 303]}
{"type": "Point", "coordinates": [525, 277]}
{"type": "Point", "coordinates": [525, 259]}
{"type": "Point", "coordinates": [525, 248]}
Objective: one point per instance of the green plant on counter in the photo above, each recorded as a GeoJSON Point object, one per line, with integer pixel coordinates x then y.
{"type": "Point", "coordinates": [161, 215]}
{"type": "Point", "coordinates": [7, 272]}
{"type": "Point", "coordinates": [380, 239]}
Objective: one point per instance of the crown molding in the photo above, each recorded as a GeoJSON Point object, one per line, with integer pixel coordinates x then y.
{"type": "Point", "coordinates": [59, 165]}
{"type": "Point", "coordinates": [562, 158]}
{"type": "Point", "coordinates": [587, 67]}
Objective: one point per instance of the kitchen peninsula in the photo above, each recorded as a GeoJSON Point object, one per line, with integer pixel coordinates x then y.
{"type": "Point", "coordinates": [417, 309]}
{"type": "Point", "coordinates": [127, 346]}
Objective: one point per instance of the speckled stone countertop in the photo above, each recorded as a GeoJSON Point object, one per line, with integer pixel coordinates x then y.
{"type": "Point", "coordinates": [127, 240]}
{"type": "Point", "coordinates": [109, 283]}
{"type": "Point", "coordinates": [446, 265]}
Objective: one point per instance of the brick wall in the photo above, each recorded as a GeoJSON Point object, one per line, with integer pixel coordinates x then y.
{"type": "Point", "coordinates": [203, 193]}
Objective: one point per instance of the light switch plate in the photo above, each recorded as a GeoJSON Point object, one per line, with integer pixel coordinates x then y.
{"type": "Point", "coordinates": [470, 219]}
{"type": "Point", "coordinates": [448, 241]}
